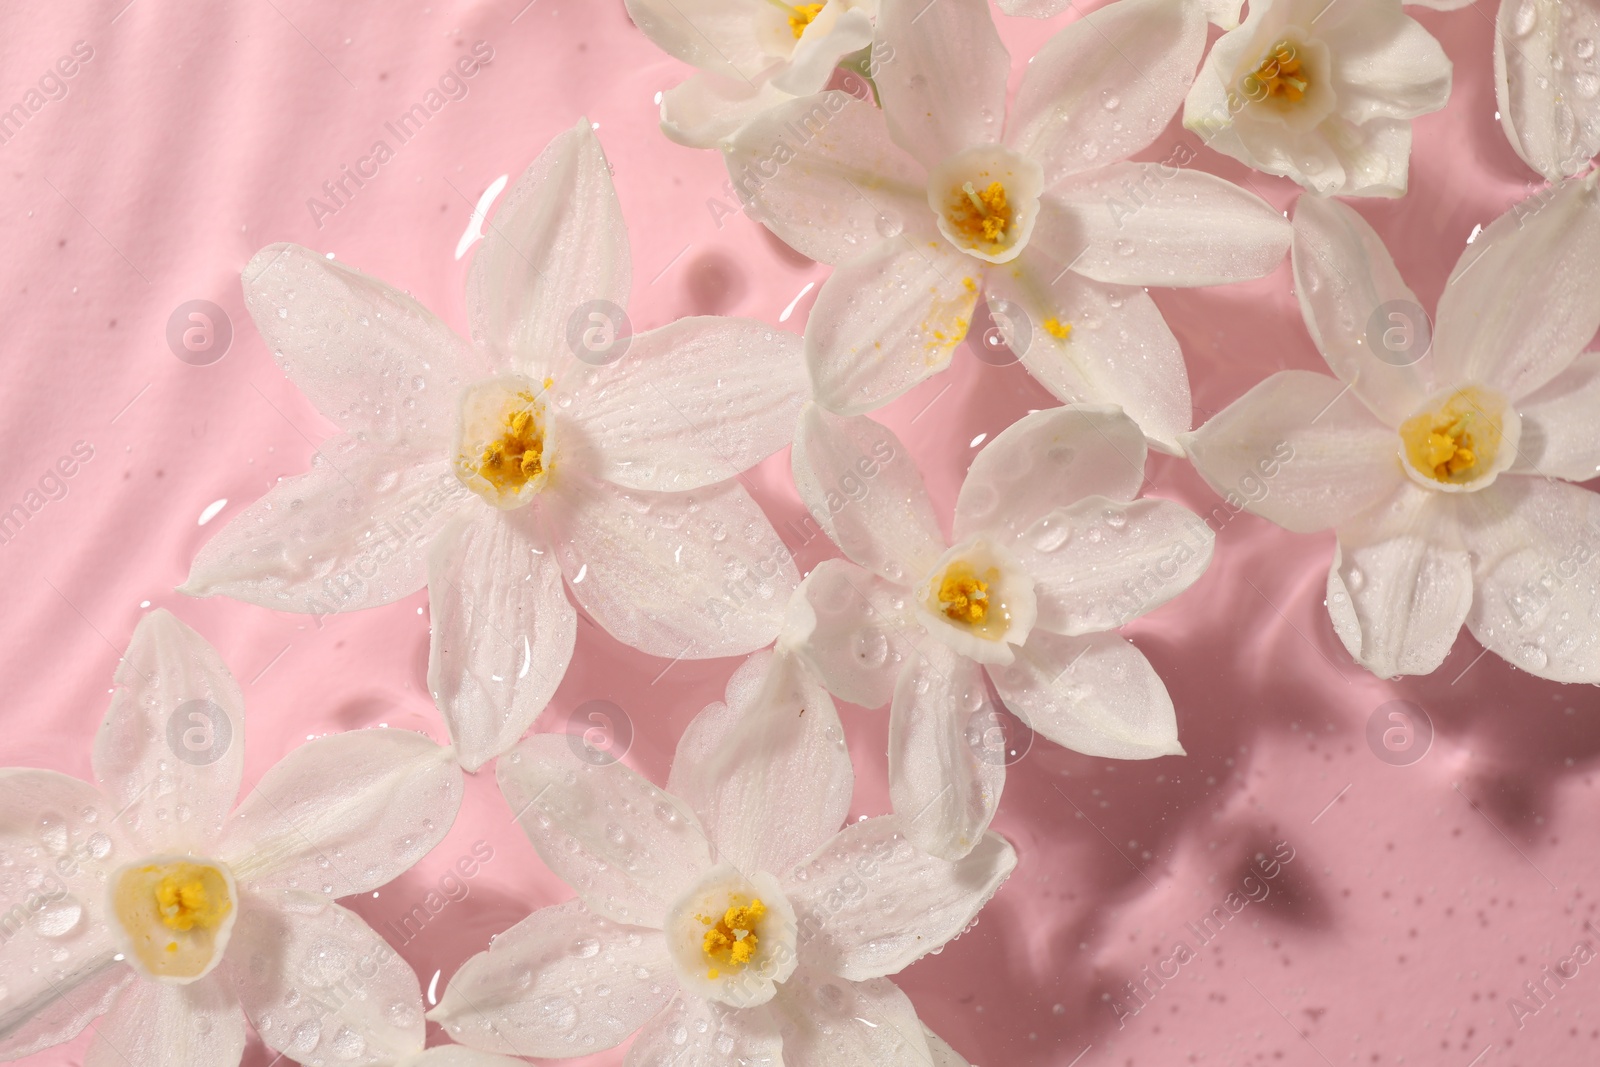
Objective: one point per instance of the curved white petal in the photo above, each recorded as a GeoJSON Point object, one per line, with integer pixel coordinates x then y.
{"type": "Point", "coordinates": [697, 401]}
{"type": "Point", "coordinates": [320, 985]}
{"type": "Point", "coordinates": [870, 903]}
{"type": "Point", "coordinates": [59, 1010]}
{"type": "Point", "coordinates": [557, 243]}
{"type": "Point", "coordinates": [860, 482]}
{"type": "Point", "coordinates": [943, 77]}
{"type": "Point", "coordinates": [503, 630]}
{"type": "Point", "coordinates": [372, 359]}
{"type": "Point", "coordinates": [1546, 91]}
{"type": "Point", "coordinates": [727, 37]}
{"type": "Point", "coordinates": [705, 109]}
{"type": "Point", "coordinates": [1300, 450]}
{"type": "Point", "coordinates": [1524, 299]}
{"type": "Point", "coordinates": [352, 532]}
{"type": "Point", "coordinates": [153, 1024]}
{"type": "Point", "coordinates": [1047, 460]}
{"type": "Point", "coordinates": [1106, 85]}
{"type": "Point", "coordinates": [827, 39]}
{"type": "Point", "coordinates": [535, 992]}
{"type": "Point", "coordinates": [888, 320]}
{"type": "Point", "coordinates": [1157, 224]}
{"type": "Point", "coordinates": [56, 952]}
{"type": "Point", "coordinates": [459, 1056]}
{"type": "Point", "coordinates": [767, 771]}
{"type": "Point", "coordinates": [943, 1054]}
{"type": "Point", "coordinates": [1364, 319]}
{"type": "Point", "coordinates": [174, 735]}
{"type": "Point", "coordinates": [344, 814]}
{"type": "Point", "coordinates": [1095, 694]}
{"type": "Point", "coordinates": [629, 849]}
{"type": "Point", "coordinates": [1385, 65]}
{"type": "Point", "coordinates": [695, 1032]}
{"type": "Point", "coordinates": [1537, 568]}
{"type": "Point", "coordinates": [1098, 563]}
{"type": "Point", "coordinates": [822, 173]}
{"type": "Point", "coordinates": [688, 575]}
{"type": "Point", "coordinates": [1400, 583]}
{"type": "Point", "coordinates": [944, 784]}
{"type": "Point", "coordinates": [1560, 434]}
{"type": "Point", "coordinates": [832, 1022]}
{"type": "Point", "coordinates": [1119, 349]}
{"type": "Point", "coordinates": [851, 628]}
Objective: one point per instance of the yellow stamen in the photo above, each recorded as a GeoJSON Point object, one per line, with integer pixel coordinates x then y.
{"type": "Point", "coordinates": [1453, 443]}
{"type": "Point", "coordinates": [980, 214]}
{"type": "Point", "coordinates": [173, 913]}
{"type": "Point", "coordinates": [963, 596]}
{"type": "Point", "coordinates": [1057, 329]}
{"type": "Point", "coordinates": [517, 456]}
{"type": "Point", "coordinates": [802, 17]}
{"type": "Point", "coordinates": [731, 939]}
{"type": "Point", "coordinates": [1279, 77]}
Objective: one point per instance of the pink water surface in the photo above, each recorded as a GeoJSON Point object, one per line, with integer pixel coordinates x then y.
{"type": "Point", "coordinates": [1416, 904]}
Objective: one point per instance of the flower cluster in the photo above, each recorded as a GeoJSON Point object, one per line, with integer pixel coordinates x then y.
{"type": "Point", "coordinates": [541, 464]}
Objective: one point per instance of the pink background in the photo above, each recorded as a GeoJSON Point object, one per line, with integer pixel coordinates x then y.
{"type": "Point", "coordinates": [1415, 906]}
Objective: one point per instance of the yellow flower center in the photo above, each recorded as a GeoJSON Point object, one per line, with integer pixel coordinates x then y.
{"type": "Point", "coordinates": [1057, 329]}
{"type": "Point", "coordinates": [173, 913]}
{"type": "Point", "coordinates": [1280, 76]}
{"type": "Point", "coordinates": [516, 457]}
{"type": "Point", "coordinates": [963, 596]}
{"type": "Point", "coordinates": [1457, 442]}
{"type": "Point", "coordinates": [731, 941]}
{"type": "Point", "coordinates": [802, 17]}
{"type": "Point", "coordinates": [980, 214]}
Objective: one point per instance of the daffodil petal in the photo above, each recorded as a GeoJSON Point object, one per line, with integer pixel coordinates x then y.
{"type": "Point", "coordinates": [1547, 100]}
{"type": "Point", "coordinates": [1560, 434]}
{"type": "Point", "coordinates": [194, 1025]}
{"type": "Point", "coordinates": [697, 401]}
{"type": "Point", "coordinates": [491, 1005]}
{"type": "Point", "coordinates": [557, 243]}
{"type": "Point", "coordinates": [1300, 450]}
{"type": "Point", "coordinates": [693, 1030]}
{"type": "Point", "coordinates": [344, 814]}
{"type": "Point", "coordinates": [302, 956]}
{"type": "Point", "coordinates": [706, 109]}
{"type": "Point", "coordinates": [726, 38]}
{"type": "Point", "coordinates": [1096, 694]}
{"type": "Point", "coordinates": [766, 770]}
{"type": "Point", "coordinates": [503, 630]}
{"type": "Point", "coordinates": [862, 935]}
{"type": "Point", "coordinates": [627, 847]}
{"type": "Point", "coordinates": [62, 1006]}
{"type": "Point", "coordinates": [943, 84]}
{"type": "Point", "coordinates": [852, 629]}
{"type": "Point", "coordinates": [889, 320]}
{"type": "Point", "coordinates": [834, 1022]}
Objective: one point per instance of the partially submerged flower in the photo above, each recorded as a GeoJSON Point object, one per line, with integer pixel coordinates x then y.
{"type": "Point", "coordinates": [152, 908]}
{"type": "Point", "coordinates": [1443, 465]}
{"type": "Point", "coordinates": [1321, 92]}
{"type": "Point", "coordinates": [1052, 551]}
{"type": "Point", "coordinates": [553, 447]}
{"type": "Point", "coordinates": [946, 196]}
{"type": "Point", "coordinates": [728, 918]}
{"type": "Point", "coordinates": [752, 55]}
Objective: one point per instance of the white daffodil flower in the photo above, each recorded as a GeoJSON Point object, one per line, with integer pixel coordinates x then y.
{"type": "Point", "coordinates": [751, 54]}
{"type": "Point", "coordinates": [1051, 551]}
{"type": "Point", "coordinates": [554, 446]}
{"type": "Point", "coordinates": [146, 902]}
{"type": "Point", "coordinates": [727, 919]}
{"type": "Point", "coordinates": [943, 195]}
{"type": "Point", "coordinates": [1321, 91]}
{"type": "Point", "coordinates": [1444, 470]}
{"type": "Point", "coordinates": [1223, 13]}
{"type": "Point", "coordinates": [1547, 82]}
